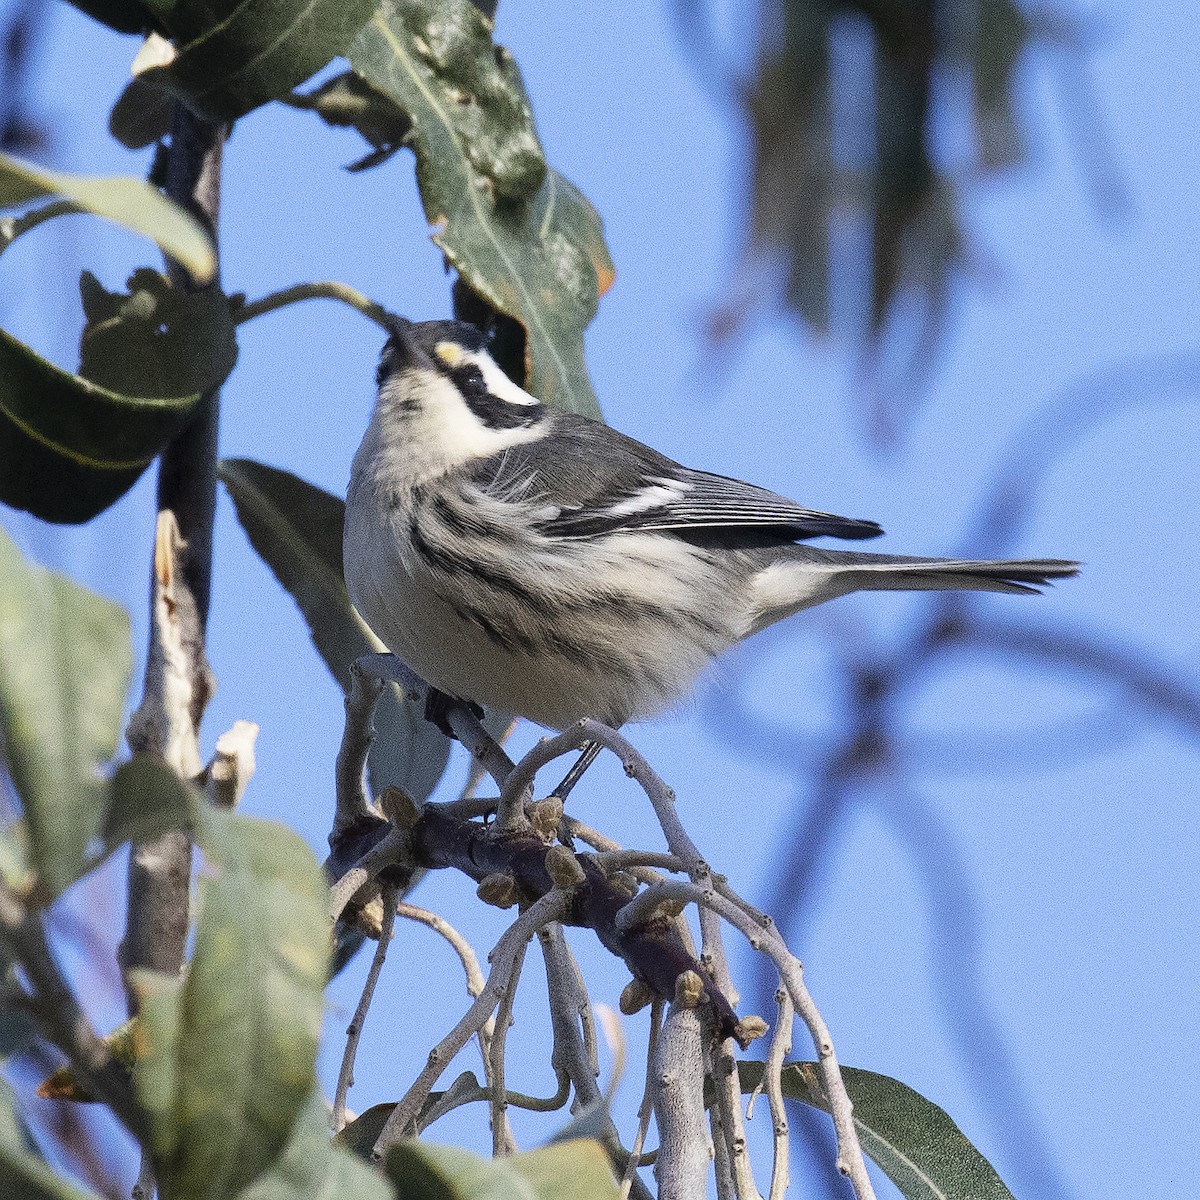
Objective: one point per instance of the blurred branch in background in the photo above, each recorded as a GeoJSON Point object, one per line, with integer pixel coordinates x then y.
{"type": "Point", "coordinates": [21, 28]}
{"type": "Point", "coordinates": [871, 759]}
{"type": "Point", "coordinates": [870, 121]}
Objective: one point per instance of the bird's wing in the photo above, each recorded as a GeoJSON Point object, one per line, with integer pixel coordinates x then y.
{"type": "Point", "coordinates": [592, 480]}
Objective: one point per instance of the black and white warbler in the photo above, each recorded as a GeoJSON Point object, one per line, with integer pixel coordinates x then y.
{"type": "Point", "coordinates": [542, 563]}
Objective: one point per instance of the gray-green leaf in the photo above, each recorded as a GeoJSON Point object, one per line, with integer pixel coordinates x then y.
{"type": "Point", "coordinates": [915, 1142]}
{"type": "Point", "coordinates": [312, 1166]}
{"type": "Point", "coordinates": [131, 203]}
{"type": "Point", "coordinates": [257, 52]}
{"type": "Point", "coordinates": [65, 663]}
{"type": "Point", "coordinates": [229, 1052]}
{"type": "Point", "coordinates": [520, 234]}
{"type": "Point", "coordinates": [578, 1169]}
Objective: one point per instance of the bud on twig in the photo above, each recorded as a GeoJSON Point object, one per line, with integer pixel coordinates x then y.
{"type": "Point", "coordinates": [689, 990]}
{"type": "Point", "coordinates": [399, 807]}
{"type": "Point", "coordinates": [544, 816]}
{"type": "Point", "coordinates": [563, 867]}
{"type": "Point", "coordinates": [635, 996]}
{"type": "Point", "coordinates": [499, 890]}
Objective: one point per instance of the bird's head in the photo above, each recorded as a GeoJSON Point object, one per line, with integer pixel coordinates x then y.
{"type": "Point", "coordinates": [439, 386]}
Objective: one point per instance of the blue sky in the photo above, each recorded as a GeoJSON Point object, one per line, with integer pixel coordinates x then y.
{"type": "Point", "coordinates": [1079, 866]}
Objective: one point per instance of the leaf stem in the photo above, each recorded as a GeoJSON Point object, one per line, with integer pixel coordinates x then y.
{"type": "Point", "coordinates": [319, 290]}
{"type": "Point", "coordinates": [11, 228]}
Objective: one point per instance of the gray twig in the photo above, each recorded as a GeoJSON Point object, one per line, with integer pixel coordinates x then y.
{"type": "Point", "coordinates": [354, 1032]}
{"type": "Point", "coordinates": [352, 801]}
{"type": "Point", "coordinates": [646, 1108]}
{"type": "Point", "coordinates": [678, 1077]}
{"type": "Point", "coordinates": [403, 1118]}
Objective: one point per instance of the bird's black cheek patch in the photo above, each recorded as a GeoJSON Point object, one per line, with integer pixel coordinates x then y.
{"type": "Point", "coordinates": [500, 414]}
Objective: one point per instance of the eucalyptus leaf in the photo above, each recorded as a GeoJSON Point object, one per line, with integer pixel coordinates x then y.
{"type": "Point", "coordinates": [913, 1141]}
{"type": "Point", "coordinates": [229, 1052]}
{"type": "Point", "coordinates": [131, 203]}
{"type": "Point", "coordinates": [522, 236]}
{"type": "Point", "coordinates": [256, 51]}
{"type": "Point", "coordinates": [125, 16]}
{"type": "Point", "coordinates": [146, 800]}
{"type": "Point", "coordinates": [297, 530]}
{"type": "Point", "coordinates": [68, 447]}
{"type": "Point", "coordinates": [578, 1169]}
{"type": "Point", "coordinates": [155, 339]}
{"type": "Point", "coordinates": [65, 665]}
{"type": "Point", "coordinates": [313, 1166]}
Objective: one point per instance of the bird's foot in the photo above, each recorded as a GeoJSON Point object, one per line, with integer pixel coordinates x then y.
{"type": "Point", "coordinates": [439, 705]}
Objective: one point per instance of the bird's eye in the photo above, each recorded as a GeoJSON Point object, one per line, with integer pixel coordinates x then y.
{"type": "Point", "coordinates": [470, 381]}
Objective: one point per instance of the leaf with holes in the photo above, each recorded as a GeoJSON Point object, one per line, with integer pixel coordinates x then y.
{"type": "Point", "coordinates": [521, 235]}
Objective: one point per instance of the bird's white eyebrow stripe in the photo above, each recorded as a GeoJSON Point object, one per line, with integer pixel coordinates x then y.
{"type": "Point", "coordinates": [658, 494]}
{"type": "Point", "coordinates": [497, 382]}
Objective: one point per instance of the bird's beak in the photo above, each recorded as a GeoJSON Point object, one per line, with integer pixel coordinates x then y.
{"type": "Point", "coordinates": [399, 350]}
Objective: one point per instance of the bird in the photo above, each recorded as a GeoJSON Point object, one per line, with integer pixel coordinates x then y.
{"type": "Point", "coordinates": [535, 561]}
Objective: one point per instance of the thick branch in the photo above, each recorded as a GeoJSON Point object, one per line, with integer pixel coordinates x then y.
{"type": "Point", "coordinates": [178, 678]}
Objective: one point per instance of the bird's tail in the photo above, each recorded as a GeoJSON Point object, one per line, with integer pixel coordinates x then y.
{"type": "Point", "coordinates": [806, 576]}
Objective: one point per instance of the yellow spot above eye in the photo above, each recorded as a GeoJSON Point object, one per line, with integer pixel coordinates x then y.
{"type": "Point", "coordinates": [449, 352]}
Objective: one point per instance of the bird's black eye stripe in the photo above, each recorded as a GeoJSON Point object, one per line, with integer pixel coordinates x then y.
{"type": "Point", "coordinates": [494, 411]}
{"type": "Point", "coordinates": [469, 380]}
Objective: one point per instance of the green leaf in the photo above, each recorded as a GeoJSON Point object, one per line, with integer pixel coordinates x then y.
{"type": "Point", "coordinates": [915, 1142]}
{"type": "Point", "coordinates": [68, 447]}
{"type": "Point", "coordinates": [255, 52]}
{"type": "Point", "coordinates": [229, 1051]}
{"type": "Point", "coordinates": [312, 1166]}
{"type": "Point", "coordinates": [24, 1174]}
{"type": "Point", "coordinates": [125, 16]}
{"type": "Point", "coordinates": [297, 530]}
{"type": "Point", "coordinates": [127, 202]}
{"type": "Point", "coordinates": [146, 799]}
{"type": "Point", "coordinates": [522, 236]}
{"type": "Point", "coordinates": [578, 1169]}
{"type": "Point", "coordinates": [17, 1028]}
{"type": "Point", "coordinates": [156, 339]}
{"type": "Point", "coordinates": [65, 664]}
{"type": "Point", "coordinates": [349, 101]}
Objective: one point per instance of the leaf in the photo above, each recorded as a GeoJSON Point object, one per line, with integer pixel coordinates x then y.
{"type": "Point", "coordinates": [297, 530]}
{"type": "Point", "coordinates": [17, 1028]}
{"type": "Point", "coordinates": [914, 1142]}
{"type": "Point", "coordinates": [68, 447]}
{"type": "Point", "coordinates": [146, 799]}
{"type": "Point", "coordinates": [156, 339]}
{"type": "Point", "coordinates": [349, 101]}
{"type": "Point", "coordinates": [65, 664]}
{"type": "Point", "coordinates": [130, 203]}
{"type": "Point", "coordinates": [578, 1169]}
{"type": "Point", "coordinates": [228, 1058]}
{"type": "Point", "coordinates": [312, 1166]}
{"type": "Point", "coordinates": [24, 1174]}
{"type": "Point", "coordinates": [125, 16]}
{"type": "Point", "coordinates": [523, 237]}
{"type": "Point", "coordinates": [256, 51]}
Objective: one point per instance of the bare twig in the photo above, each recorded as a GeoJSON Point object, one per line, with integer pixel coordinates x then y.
{"type": "Point", "coordinates": [503, 1143]}
{"type": "Point", "coordinates": [318, 290]}
{"type": "Point", "coordinates": [393, 849]}
{"type": "Point", "coordinates": [352, 801]}
{"type": "Point", "coordinates": [231, 767]}
{"type": "Point", "coordinates": [178, 679]}
{"type": "Point", "coordinates": [354, 1032]}
{"type": "Point", "coordinates": [646, 1108]}
{"type": "Point", "coordinates": [402, 1120]}
{"type": "Point", "coordinates": [678, 1076]}
{"type": "Point", "coordinates": [763, 936]}
{"type": "Point", "coordinates": [781, 1044]}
